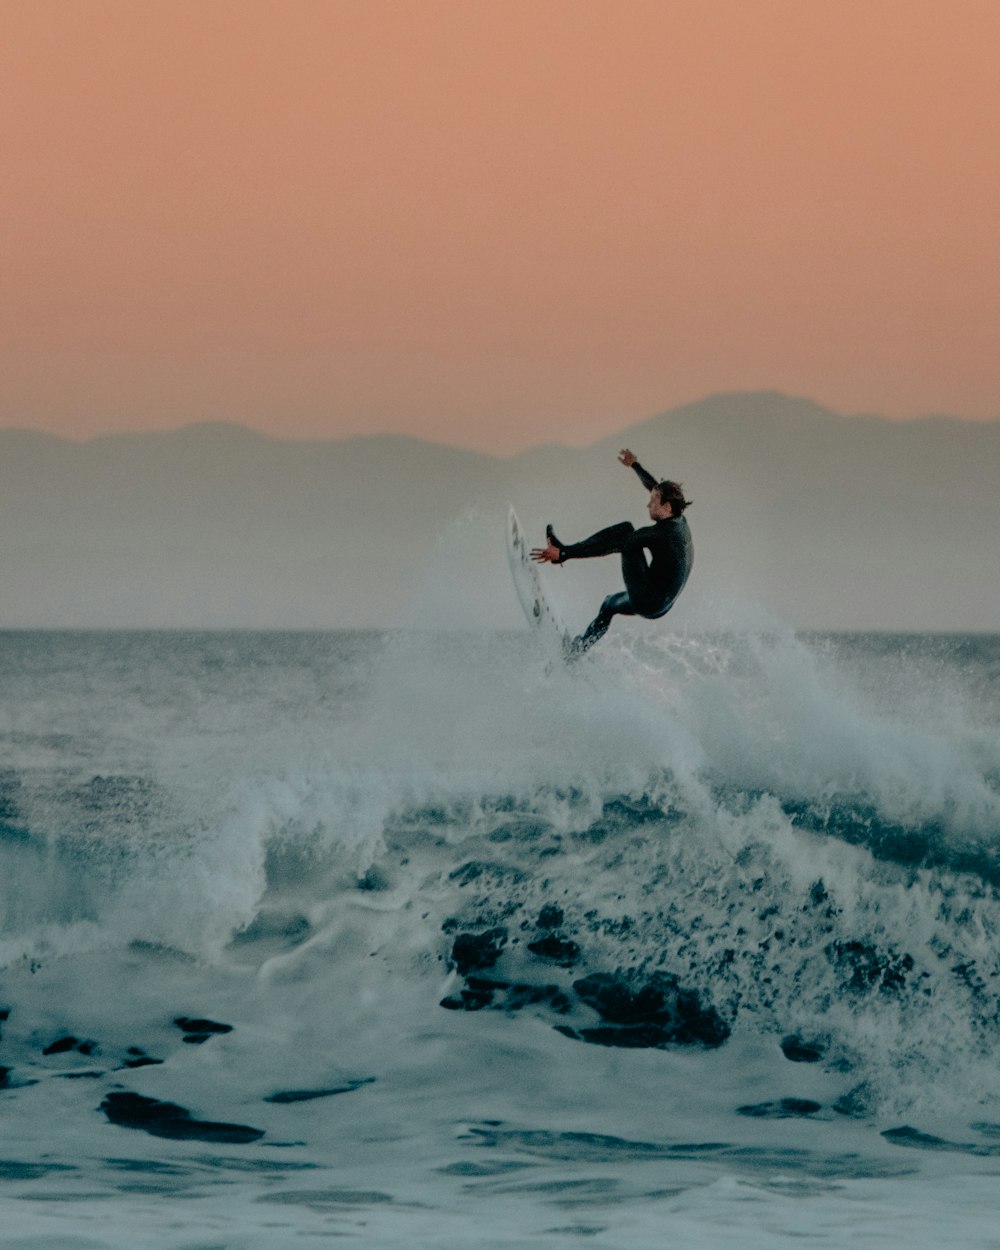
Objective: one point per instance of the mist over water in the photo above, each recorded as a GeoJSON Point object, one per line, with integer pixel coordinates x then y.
{"type": "Point", "coordinates": [685, 851]}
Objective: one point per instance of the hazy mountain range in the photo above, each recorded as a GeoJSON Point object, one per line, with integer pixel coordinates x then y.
{"type": "Point", "coordinates": [825, 521]}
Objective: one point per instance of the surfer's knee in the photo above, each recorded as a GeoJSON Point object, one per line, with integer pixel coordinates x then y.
{"type": "Point", "coordinates": [617, 537]}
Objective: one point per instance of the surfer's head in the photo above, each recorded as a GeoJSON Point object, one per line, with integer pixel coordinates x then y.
{"type": "Point", "coordinates": [667, 500]}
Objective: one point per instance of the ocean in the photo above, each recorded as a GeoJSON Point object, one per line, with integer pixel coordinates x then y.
{"type": "Point", "coordinates": [424, 940]}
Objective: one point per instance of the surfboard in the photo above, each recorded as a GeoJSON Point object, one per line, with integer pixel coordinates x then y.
{"type": "Point", "coordinates": [538, 611]}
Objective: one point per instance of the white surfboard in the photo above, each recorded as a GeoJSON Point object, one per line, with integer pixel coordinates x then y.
{"type": "Point", "coordinates": [540, 613]}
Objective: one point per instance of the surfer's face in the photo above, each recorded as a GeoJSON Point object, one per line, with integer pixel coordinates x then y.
{"type": "Point", "coordinates": [658, 510]}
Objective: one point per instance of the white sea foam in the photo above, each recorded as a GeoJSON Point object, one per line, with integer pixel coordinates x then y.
{"type": "Point", "coordinates": [286, 833]}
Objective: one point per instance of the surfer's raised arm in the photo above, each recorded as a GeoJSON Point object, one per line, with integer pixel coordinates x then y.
{"type": "Point", "coordinates": [629, 461]}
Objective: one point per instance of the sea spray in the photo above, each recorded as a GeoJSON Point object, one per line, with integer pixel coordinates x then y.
{"type": "Point", "coordinates": [735, 810]}
{"type": "Point", "coordinates": [408, 936]}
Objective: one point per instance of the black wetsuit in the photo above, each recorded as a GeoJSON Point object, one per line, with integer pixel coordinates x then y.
{"type": "Point", "coordinates": [650, 588]}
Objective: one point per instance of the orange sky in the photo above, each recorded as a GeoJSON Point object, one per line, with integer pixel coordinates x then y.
{"type": "Point", "coordinates": [494, 223]}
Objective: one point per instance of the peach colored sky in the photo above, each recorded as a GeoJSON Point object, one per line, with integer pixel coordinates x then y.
{"type": "Point", "coordinates": [494, 223]}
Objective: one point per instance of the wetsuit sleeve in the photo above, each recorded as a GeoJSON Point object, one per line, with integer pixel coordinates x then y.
{"type": "Point", "coordinates": [647, 479]}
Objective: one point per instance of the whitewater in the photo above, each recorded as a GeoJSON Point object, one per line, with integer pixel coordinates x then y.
{"type": "Point", "coordinates": [422, 939]}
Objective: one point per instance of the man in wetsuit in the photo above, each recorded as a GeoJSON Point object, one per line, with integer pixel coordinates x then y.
{"type": "Point", "coordinates": [650, 588]}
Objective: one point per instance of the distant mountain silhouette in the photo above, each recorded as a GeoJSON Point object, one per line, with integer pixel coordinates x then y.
{"type": "Point", "coordinates": [826, 521]}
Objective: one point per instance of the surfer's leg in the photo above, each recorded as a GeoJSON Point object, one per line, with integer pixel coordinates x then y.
{"type": "Point", "coordinates": [635, 575]}
{"type": "Point", "coordinates": [605, 542]}
{"type": "Point", "coordinates": [645, 599]}
{"type": "Point", "coordinates": [614, 605]}
{"type": "Point", "coordinates": [635, 570]}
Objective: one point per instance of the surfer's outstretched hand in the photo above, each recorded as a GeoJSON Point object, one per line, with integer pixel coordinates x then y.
{"type": "Point", "coordinates": [626, 457]}
{"type": "Point", "coordinates": [548, 554]}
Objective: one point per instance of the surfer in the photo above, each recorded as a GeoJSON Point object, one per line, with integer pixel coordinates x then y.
{"type": "Point", "coordinates": [650, 587]}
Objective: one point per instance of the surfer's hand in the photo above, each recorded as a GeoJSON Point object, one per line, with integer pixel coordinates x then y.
{"type": "Point", "coordinates": [546, 555]}
{"type": "Point", "coordinates": [626, 457]}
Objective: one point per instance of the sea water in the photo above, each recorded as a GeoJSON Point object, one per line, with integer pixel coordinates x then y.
{"type": "Point", "coordinates": [426, 940]}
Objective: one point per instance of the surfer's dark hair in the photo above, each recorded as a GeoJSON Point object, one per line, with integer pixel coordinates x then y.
{"type": "Point", "coordinates": [673, 494]}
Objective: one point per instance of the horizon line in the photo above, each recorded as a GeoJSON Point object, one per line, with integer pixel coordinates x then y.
{"type": "Point", "coordinates": [222, 423]}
